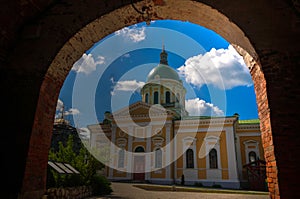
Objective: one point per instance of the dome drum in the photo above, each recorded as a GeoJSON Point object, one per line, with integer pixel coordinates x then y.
{"type": "Point", "coordinates": [164, 87]}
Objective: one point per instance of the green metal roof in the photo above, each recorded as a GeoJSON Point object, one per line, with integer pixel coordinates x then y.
{"type": "Point", "coordinates": [252, 121]}
{"type": "Point", "coordinates": [204, 117]}
{"type": "Point", "coordinates": [163, 72]}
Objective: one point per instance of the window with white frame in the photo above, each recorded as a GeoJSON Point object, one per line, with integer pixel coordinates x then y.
{"type": "Point", "coordinates": [121, 158]}
{"type": "Point", "coordinates": [213, 159]}
{"type": "Point", "coordinates": [251, 150]}
{"type": "Point", "coordinates": [158, 158]}
{"type": "Point", "coordinates": [212, 146]}
{"type": "Point", "coordinates": [189, 158]}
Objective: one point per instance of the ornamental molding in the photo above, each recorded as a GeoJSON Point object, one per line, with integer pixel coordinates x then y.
{"type": "Point", "coordinates": [212, 121]}
{"type": "Point", "coordinates": [121, 142]}
{"type": "Point", "coordinates": [158, 141]}
{"type": "Point", "coordinates": [163, 81]}
{"type": "Point", "coordinates": [248, 127]}
{"type": "Point", "coordinates": [156, 111]}
{"type": "Point", "coordinates": [251, 142]}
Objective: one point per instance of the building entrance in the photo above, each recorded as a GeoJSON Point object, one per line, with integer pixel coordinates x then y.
{"type": "Point", "coordinates": [139, 165]}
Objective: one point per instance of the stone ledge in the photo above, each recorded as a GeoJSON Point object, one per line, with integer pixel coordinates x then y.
{"type": "Point", "coordinates": [68, 193]}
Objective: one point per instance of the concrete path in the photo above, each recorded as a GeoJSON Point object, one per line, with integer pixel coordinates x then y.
{"type": "Point", "coordinates": [128, 191]}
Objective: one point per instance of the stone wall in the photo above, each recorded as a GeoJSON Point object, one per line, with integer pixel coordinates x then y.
{"type": "Point", "coordinates": [68, 193]}
{"type": "Point", "coordinates": [34, 32]}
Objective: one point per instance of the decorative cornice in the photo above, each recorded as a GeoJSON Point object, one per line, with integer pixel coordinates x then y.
{"type": "Point", "coordinates": [248, 127]}
{"type": "Point", "coordinates": [158, 111]}
{"type": "Point", "coordinates": [211, 121]}
{"type": "Point", "coordinates": [163, 81]}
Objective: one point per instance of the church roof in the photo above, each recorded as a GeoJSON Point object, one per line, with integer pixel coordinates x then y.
{"type": "Point", "coordinates": [204, 117]}
{"type": "Point", "coordinates": [251, 121]}
{"type": "Point", "coordinates": [163, 70]}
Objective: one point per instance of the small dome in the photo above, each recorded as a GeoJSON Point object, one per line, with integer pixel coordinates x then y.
{"type": "Point", "coordinates": [163, 71]}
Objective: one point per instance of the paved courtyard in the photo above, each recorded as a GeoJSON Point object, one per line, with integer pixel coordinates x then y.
{"type": "Point", "coordinates": [128, 191]}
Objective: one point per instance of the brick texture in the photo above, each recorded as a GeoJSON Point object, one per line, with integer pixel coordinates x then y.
{"type": "Point", "coordinates": [40, 41]}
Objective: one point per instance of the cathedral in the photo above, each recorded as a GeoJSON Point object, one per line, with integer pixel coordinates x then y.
{"type": "Point", "coordinates": [155, 140]}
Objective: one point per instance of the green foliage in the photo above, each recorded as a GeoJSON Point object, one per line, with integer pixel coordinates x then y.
{"type": "Point", "coordinates": [83, 161]}
{"type": "Point", "coordinates": [198, 184]}
{"type": "Point", "coordinates": [100, 185]}
{"type": "Point", "coordinates": [216, 186]}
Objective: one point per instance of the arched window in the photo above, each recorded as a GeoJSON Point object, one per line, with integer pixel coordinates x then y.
{"type": "Point", "coordinates": [189, 158]}
{"type": "Point", "coordinates": [158, 158]}
{"type": "Point", "coordinates": [213, 159]}
{"type": "Point", "coordinates": [252, 156]}
{"type": "Point", "coordinates": [147, 98]}
{"type": "Point", "coordinates": [155, 97]}
{"type": "Point", "coordinates": [121, 158]}
{"type": "Point", "coordinates": [139, 149]}
{"type": "Point", "coordinates": [168, 97]}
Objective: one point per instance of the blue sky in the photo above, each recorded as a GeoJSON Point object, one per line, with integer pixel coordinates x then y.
{"type": "Point", "coordinates": [109, 75]}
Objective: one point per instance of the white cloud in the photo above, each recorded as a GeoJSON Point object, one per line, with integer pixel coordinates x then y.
{"type": "Point", "coordinates": [128, 85]}
{"type": "Point", "coordinates": [134, 34]}
{"type": "Point", "coordinates": [198, 107]}
{"type": "Point", "coordinates": [84, 133]}
{"type": "Point", "coordinates": [59, 105]}
{"type": "Point", "coordinates": [87, 63]}
{"type": "Point", "coordinates": [222, 68]}
{"type": "Point", "coordinates": [72, 111]}
{"type": "Point", "coordinates": [60, 108]}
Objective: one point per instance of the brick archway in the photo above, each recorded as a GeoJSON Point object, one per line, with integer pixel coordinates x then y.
{"type": "Point", "coordinates": [258, 60]}
{"type": "Point", "coordinates": [184, 10]}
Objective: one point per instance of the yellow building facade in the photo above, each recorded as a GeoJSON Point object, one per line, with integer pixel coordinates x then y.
{"type": "Point", "coordinates": [155, 140]}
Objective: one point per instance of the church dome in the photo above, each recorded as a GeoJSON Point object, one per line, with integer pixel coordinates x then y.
{"type": "Point", "coordinates": [162, 71]}
{"type": "Point", "coordinates": [164, 87]}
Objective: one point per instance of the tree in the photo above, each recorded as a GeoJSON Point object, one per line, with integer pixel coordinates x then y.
{"type": "Point", "coordinates": [83, 161]}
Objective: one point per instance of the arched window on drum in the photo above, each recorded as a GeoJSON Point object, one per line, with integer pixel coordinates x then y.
{"type": "Point", "coordinates": [168, 97]}
{"type": "Point", "coordinates": [147, 98]}
{"type": "Point", "coordinates": [155, 97]}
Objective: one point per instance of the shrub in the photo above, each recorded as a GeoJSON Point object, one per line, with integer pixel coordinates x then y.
{"type": "Point", "coordinates": [84, 162]}
{"type": "Point", "coordinates": [100, 185]}
{"type": "Point", "coordinates": [63, 180]}
{"type": "Point", "coordinates": [216, 186]}
{"type": "Point", "coordinates": [73, 180]}
{"type": "Point", "coordinates": [198, 184]}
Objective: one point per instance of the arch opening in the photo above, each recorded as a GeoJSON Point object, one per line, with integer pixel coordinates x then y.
{"type": "Point", "coordinates": [237, 39]}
